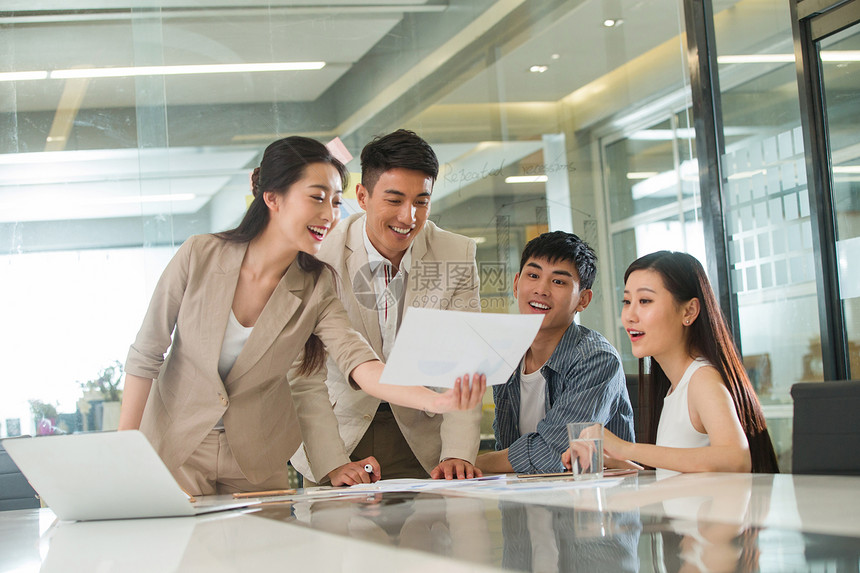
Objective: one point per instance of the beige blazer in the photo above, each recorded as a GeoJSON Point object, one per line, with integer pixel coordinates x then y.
{"type": "Point", "coordinates": [443, 275]}
{"type": "Point", "coordinates": [192, 301]}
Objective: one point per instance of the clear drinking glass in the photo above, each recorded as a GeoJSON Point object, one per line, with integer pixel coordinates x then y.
{"type": "Point", "coordinates": [586, 448]}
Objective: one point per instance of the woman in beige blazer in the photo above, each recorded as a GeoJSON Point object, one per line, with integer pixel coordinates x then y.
{"type": "Point", "coordinates": [238, 309]}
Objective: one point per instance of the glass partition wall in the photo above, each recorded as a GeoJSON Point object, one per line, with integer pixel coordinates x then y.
{"type": "Point", "coordinates": [767, 209]}
{"type": "Point", "coordinates": [126, 130]}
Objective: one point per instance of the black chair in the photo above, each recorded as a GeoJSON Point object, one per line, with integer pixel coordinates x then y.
{"type": "Point", "coordinates": [826, 436]}
{"type": "Point", "coordinates": [15, 490]}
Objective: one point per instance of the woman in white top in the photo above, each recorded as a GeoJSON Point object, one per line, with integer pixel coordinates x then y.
{"type": "Point", "coordinates": [697, 388]}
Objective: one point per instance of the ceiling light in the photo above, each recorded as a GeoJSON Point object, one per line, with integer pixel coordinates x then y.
{"type": "Point", "coordinates": [555, 56]}
{"type": "Point", "coordinates": [612, 22]}
{"type": "Point", "coordinates": [538, 69]}
{"type": "Point", "coordinates": [641, 174]}
{"type": "Point", "coordinates": [756, 59]}
{"type": "Point", "coordinates": [826, 56]}
{"type": "Point", "coordinates": [184, 70]}
{"type": "Point", "coordinates": [526, 179]}
{"type": "Point", "coordinates": [840, 56]}
{"type": "Point", "coordinates": [662, 134]}
{"type": "Point", "coordinates": [22, 76]}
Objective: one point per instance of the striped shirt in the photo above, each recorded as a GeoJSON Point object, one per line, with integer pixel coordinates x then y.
{"type": "Point", "coordinates": [584, 383]}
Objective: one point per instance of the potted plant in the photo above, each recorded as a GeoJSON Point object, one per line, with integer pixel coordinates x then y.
{"type": "Point", "coordinates": [107, 387]}
{"type": "Point", "coordinates": [44, 417]}
{"type": "Point", "coordinates": [107, 383]}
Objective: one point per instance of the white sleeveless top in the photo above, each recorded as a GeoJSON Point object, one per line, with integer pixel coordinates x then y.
{"type": "Point", "coordinates": [675, 429]}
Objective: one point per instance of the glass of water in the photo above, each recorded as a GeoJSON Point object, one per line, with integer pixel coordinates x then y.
{"type": "Point", "coordinates": [586, 448]}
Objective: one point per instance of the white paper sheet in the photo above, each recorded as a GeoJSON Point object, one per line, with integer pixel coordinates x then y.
{"type": "Point", "coordinates": [434, 346]}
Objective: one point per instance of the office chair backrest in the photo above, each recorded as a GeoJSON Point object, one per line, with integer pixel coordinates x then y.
{"type": "Point", "coordinates": [826, 433]}
{"type": "Point", "coordinates": [15, 490]}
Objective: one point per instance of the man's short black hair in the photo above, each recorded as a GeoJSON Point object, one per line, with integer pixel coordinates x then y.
{"type": "Point", "coordinates": [402, 148]}
{"type": "Point", "coordinates": [560, 246]}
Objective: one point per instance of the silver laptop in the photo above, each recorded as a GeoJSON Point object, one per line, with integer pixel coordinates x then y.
{"type": "Point", "coordinates": [106, 475]}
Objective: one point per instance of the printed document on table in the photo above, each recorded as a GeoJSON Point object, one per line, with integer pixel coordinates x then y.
{"type": "Point", "coordinates": [433, 347]}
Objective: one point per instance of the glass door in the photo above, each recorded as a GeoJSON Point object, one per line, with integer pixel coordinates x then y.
{"type": "Point", "coordinates": [840, 78]}
{"type": "Point", "coordinates": [826, 42]}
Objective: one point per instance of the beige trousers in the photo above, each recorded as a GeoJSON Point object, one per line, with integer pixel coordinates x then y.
{"type": "Point", "coordinates": [212, 469]}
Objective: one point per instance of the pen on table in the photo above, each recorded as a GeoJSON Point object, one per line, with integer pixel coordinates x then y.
{"type": "Point", "coordinates": [264, 493]}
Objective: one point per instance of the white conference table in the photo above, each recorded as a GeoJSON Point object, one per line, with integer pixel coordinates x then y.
{"type": "Point", "coordinates": [696, 522]}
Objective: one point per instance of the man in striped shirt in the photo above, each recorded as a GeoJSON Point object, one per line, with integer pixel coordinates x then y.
{"type": "Point", "coordinates": [569, 374]}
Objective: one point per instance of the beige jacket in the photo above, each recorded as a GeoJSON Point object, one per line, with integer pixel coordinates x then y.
{"type": "Point", "coordinates": [443, 275]}
{"type": "Point", "coordinates": [192, 301]}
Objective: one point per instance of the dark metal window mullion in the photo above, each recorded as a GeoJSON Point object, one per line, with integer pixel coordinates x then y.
{"type": "Point", "coordinates": [710, 147]}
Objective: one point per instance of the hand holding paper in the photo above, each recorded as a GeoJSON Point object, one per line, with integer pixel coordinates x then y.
{"type": "Point", "coordinates": [434, 346]}
{"type": "Point", "coordinates": [463, 396]}
{"type": "Point", "coordinates": [466, 393]}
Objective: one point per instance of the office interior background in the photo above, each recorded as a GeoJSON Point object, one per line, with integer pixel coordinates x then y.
{"type": "Point", "coordinates": [727, 129]}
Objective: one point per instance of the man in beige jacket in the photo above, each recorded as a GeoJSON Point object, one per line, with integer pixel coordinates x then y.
{"type": "Point", "coordinates": [388, 259]}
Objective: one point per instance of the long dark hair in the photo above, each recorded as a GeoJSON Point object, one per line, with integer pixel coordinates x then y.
{"type": "Point", "coordinates": [284, 162]}
{"type": "Point", "coordinates": [710, 338]}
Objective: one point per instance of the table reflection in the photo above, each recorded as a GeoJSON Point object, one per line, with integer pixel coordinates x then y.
{"type": "Point", "coordinates": [550, 539]}
{"type": "Point", "coordinates": [705, 528]}
{"type": "Point", "coordinates": [717, 522]}
{"type": "Point", "coordinates": [534, 537]}
{"type": "Point", "coordinates": [453, 527]}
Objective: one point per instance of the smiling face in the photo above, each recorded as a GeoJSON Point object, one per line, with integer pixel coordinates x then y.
{"type": "Point", "coordinates": [551, 289]}
{"type": "Point", "coordinates": [308, 210]}
{"type": "Point", "coordinates": [397, 208]}
{"type": "Point", "coordinates": [654, 320]}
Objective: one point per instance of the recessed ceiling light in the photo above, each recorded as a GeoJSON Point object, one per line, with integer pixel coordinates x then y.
{"type": "Point", "coordinates": [538, 69]}
{"type": "Point", "coordinates": [612, 22]}
{"type": "Point", "coordinates": [555, 56]}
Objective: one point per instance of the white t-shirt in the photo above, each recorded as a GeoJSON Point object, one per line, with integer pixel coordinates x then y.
{"type": "Point", "coordinates": [532, 399]}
